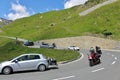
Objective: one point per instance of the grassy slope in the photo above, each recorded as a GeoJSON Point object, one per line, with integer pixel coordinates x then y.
{"type": "Point", "coordinates": [3, 41]}
{"type": "Point", "coordinates": [38, 26]}
{"type": "Point", "coordinates": [67, 23]}
{"type": "Point", "coordinates": [10, 50]}
{"type": "Point", "coordinates": [107, 18]}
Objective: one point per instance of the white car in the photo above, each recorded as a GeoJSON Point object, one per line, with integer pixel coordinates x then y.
{"type": "Point", "coordinates": [24, 62]}
{"type": "Point", "coordinates": [74, 48]}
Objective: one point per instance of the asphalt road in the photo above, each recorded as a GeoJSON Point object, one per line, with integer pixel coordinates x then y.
{"type": "Point", "coordinates": [109, 69]}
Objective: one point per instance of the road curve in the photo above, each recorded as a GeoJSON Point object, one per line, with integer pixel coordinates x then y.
{"type": "Point", "coordinates": [109, 69]}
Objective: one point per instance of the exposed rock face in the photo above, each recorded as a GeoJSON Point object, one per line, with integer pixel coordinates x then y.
{"type": "Point", "coordinates": [4, 22]}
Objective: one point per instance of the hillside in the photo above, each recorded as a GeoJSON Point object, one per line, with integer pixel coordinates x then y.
{"type": "Point", "coordinates": [67, 23]}
{"type": "Point", "coordinates": [1, 24]}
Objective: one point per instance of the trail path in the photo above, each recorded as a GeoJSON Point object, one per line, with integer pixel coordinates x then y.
{"type": "Point", "coordinates": [19, 39]}
{"type": "Point", "coordinates": [96, 7]}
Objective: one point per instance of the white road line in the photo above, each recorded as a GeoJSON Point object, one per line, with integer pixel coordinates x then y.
{"type": "Point", "coordinates": [113, 62]}
{"type": "Point", "coordinates": [63, 78]}
{"type": "Point", "coordinates": [115, 58]}
{"type": "Point", "coordinates": [98, 70]}
{"type": "Point", "coordinates": [82, 56]}
{"type": "Point", "coordinates": [113, 55]}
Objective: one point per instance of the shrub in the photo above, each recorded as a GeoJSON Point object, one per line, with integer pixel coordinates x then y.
{"type": "Point", "coordinates": [107, 33]}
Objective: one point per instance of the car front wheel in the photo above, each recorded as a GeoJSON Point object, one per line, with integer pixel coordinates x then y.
{"type": "Point", "coordinates": [7, 70]}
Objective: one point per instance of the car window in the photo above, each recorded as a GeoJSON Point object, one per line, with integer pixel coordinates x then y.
{"type": "Point", "coordinates": [31, 57]}
{"type": "Point", "coordinates": [23, 58]}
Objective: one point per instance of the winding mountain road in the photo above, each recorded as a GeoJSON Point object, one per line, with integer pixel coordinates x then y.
{"type": "Point", "coordinates": [109, 69]}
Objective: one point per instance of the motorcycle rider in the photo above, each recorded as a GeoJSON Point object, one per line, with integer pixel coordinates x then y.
{"type": "Point", "coordinates": [94, 55]}
{"type": "Point", "coordinates": [92, 50]}
{"type": "Point", "coordinates": [98, 51]}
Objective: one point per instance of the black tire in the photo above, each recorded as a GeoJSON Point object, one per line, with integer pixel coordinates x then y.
{"type": "Point", "coordinates": [91, 63]}
{"type": "Point", "coordinates": [42, 67]}
{"type": "Point", "coordinates": [7, 70]}
{"type": "Point", "coordinates": [99, 61]}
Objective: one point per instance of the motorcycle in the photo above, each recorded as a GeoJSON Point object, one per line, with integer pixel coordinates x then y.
{"type": "Point", "coordinates": [93, 59]}
{"type": "Point", "coordinates": [52, 61]}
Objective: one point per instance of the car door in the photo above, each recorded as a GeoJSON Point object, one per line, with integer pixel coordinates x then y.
{"type": "Point", "coordinates": [21, 63]}
{"type": "Point", "coordinates": [34, 60]}
{"type": "Point", "coordinates": [27, 62]}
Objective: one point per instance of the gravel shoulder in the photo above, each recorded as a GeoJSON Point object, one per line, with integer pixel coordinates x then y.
{"type": "Point", "coordinates": [0, 30]}
{"type": "Point", "coordinates": [83, 42]}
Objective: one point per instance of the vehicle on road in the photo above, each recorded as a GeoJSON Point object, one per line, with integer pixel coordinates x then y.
{"type": "Point", "coordinates": [28, 43]}
{"type": "Point", "coordinates": [25, 62]}
{"type": "Point", "coordinates": [46, 45]}
{"type": "Point", "coordinates": [93, 60]}
{"type": "Point", "coordinates": [74, 48]}
{"type": "Point", "coordinates": [94, 57]}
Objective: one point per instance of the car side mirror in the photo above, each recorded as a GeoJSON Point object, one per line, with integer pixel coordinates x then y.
{"type": "Point", "coordinates": [16, 61]}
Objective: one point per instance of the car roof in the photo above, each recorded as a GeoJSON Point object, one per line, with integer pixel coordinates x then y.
{"type": "Point", "coordinates": [72, 46]}
{"type": "Point", "coordinates": [31, 54]}
{"type": "Point", "coordinates": [27, 54]}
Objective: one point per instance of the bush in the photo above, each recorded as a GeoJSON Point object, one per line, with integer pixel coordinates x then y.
{"type": "Point", "coordinates": [107, 33]}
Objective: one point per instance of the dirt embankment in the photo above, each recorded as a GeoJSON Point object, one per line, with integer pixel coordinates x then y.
{"type": "Point", "coordinates": [84, 42]}
{"type": "Point", "coordinates": [0, 30]}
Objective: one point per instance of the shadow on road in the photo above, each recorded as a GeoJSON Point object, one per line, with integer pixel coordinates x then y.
{"type": "Point", "coordinates": [31, 71]}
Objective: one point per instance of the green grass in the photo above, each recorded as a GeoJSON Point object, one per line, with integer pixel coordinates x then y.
{"type": "Point", "coordinates": [1, 24]}
{"type": "Point", "coordinates": [67, 23]}
{"type": "Point", "coordinates": [10, 50]}
{"type": "Point", "coordinates": [38, 26]}
{"type": "Point", "coordinates": [3, 41]}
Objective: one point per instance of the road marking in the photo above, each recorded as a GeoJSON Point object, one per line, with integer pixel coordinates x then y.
{"type": "Point", "coordinates": [82, 56]}
{"type": "Point", "coordinates": [63, 78]}
{"type": "Point", "coordinates": [115, 58]}
{"type": "Point", "coordinates": [113, 55]}
{"type": "Point", "coordinates": [113, 62]}
{"type": "Point", "coordinates": [98, 70]}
